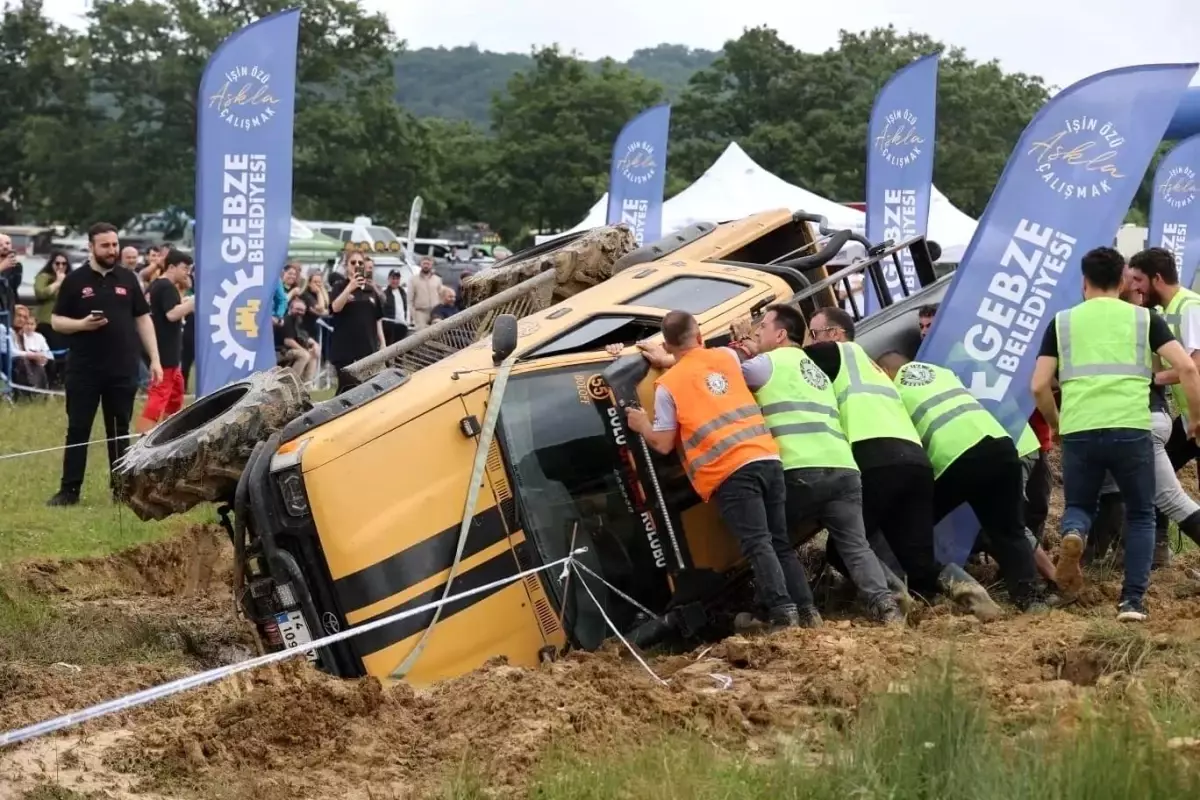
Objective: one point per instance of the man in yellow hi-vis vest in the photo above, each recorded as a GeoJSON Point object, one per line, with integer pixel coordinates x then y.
{"type": "Point", "coordinates": [1153, 278]}
{"type": "Point", "coordinates": [1101, 351]}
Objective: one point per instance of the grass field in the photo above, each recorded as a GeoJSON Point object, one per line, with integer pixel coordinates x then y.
{"type": "Point", "coordinates": [28, 528]}
{"type": "Point", "coordinates": [1069, 707]}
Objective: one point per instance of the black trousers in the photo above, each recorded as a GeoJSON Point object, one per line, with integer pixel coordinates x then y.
{"type": "Point", "coordinates": [898, 502]}
{"type": "Point", "coordinates": [753, 505]}
{"type": "Point", "coordinates": [345, 381]}
{"type": "Point", "coordinates": [114, 396]}
{"type": "Point", "coordinates": [1180, 449]}
{"type": "Point", "coordinates": [393, 332]}
{"type": "Point", "coordinates": [188, 355]}
{"type": "Point", "coordinates": [988, 479]}
{"type": "Point", "coordinates": [1037, 496]}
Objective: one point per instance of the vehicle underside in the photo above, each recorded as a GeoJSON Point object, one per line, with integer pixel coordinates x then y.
{"type": "Point", "coordinates": [559, 473]}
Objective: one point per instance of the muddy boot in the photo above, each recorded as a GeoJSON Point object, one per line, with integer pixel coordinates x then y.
{"type": "Point", "coordinates": [1190, 528]}
{"type": "Point", "coordinates": [781, 617]}
{"type": "Point", "coordinates": [746, 623]}
{"type": "Point", "coordinates": [967, 593]}
{"type": "Point", "coordinates": [1162, 540]}
{"type": "Point", "coordinates": [809, 617]}
{"type": "Point", "coordinates": [1067, 574]}
{"type": "Point", "coordinates": [899, 590]}
{"type": "Point", "coordinates": [888, 614]}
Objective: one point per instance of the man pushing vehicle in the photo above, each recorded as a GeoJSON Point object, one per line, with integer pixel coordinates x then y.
{"type": "Point", "coordinates": [703, 404]}
{"type": "Point", "coordinates": [821, 477]}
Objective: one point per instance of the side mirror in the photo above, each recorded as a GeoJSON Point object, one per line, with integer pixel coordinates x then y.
{"type": "Point", "coordinates": [504, 337]}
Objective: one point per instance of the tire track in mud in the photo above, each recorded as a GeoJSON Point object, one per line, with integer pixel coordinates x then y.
{"type": "Point", "coordinates": [292, 732]}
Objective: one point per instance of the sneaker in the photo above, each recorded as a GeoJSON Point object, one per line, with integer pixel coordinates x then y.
{"type": "Point", "coordinates": [1067, 574]}
{"type": "Point", "coordinates": [809, 618]}
{"type": "Point", "coordinates": [1131, 611]}
{"type": "Point", "coordinates": [64, 498]}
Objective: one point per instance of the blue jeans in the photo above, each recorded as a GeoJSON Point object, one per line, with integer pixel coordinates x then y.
{"type": "Point", "coordinates": [1128, 455]}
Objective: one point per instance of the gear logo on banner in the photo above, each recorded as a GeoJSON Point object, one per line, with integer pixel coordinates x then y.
{"type": "Point", "coordinates": [235, 323]}
{"type": "Point", "coordinates": [1081, 159]}
{"type": "Point", "coordinates": [1179, 189]}
{"type": "Point", "coordinates": [916, 375]}
{"type": "Point", "coordinates": [899, 142]}
{"type": "Point", "coordinates": [638, 165]}
{"type": "Point", "coordinates": [244, 100]}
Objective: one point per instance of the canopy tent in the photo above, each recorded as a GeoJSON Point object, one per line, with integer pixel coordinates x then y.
{"type": "Point", "coordinates": [949, 227]}
{"type": "Point", "coordinates": [735, 186]}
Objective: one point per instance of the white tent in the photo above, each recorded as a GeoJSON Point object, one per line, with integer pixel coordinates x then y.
{"type": "Point", "coordinates": [949, 227]}
{"type": "Point", "coordinates": [735, 186]}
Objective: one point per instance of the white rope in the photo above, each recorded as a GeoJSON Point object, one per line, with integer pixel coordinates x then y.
{"type": "Point", "coordinates": [573, 565]}
{"type": "Point", "coordinates": [165, 690]}
{"type": "Point", "coordinates": [722, 681]}
{"type": "Point", "coordinates": [616, 591]}
{"type": "Point", "coordinates": [5, 456]}
{"type": "Point", "coordinates": [34, 390]}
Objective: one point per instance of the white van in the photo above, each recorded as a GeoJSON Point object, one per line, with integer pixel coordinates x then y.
{"type": "Point", "coordinates": [362, 234]}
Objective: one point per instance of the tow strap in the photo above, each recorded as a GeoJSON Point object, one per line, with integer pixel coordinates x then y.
{"type": "Point", "coordinates": [483, 446]}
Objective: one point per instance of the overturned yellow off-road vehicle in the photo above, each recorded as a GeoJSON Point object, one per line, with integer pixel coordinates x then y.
{"type": "Point", "coordinates": [385, 497]}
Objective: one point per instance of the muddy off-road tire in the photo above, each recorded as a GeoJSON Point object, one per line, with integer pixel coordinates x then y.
{"type": "Point", "coordinates": [578, 263]}
{"type": "Point", "coordinates": [197, 455]}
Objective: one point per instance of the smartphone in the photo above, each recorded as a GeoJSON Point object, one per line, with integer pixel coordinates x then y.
{"type": "Point", "coordinates": [96, 314]}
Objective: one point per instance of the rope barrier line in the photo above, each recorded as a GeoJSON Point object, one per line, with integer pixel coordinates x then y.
{"type": "Point", "coordinates": [130, 701]}
{"type": "Point", "coordinates": [612, 627]}
{"type": "Point", "coordinates": [57, 448]}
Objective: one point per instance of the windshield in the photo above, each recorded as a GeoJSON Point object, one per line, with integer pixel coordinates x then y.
{"type": "Point", "coordinates": [568, 482]}
{"type": "Point", "coordinates": [378, 234]}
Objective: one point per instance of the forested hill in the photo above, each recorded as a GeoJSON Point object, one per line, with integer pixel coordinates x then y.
{"type": "Point", "coordinates": [458, 83]}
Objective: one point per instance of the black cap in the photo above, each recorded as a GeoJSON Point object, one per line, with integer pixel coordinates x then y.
{"type": "Point", "coordinates": [395, 274]}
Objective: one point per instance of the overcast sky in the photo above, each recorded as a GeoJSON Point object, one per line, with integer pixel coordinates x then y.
{"type": "Point", "coordinates": [1061, 42]}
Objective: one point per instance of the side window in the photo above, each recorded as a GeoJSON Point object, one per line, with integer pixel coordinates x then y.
{"type": "Point", "coordinates": [693, 295]}
{"type": "Point", "coordinates": [597, 333]}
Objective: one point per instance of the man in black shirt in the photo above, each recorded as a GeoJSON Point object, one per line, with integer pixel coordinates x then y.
{"type": "Point", "coordinates": [897, 482]}
{"type": "Point", "coordinates": [168, 310]}
{"type": "Point", "coordinates": [357, 322]}
{"type": "Point", "coordinates": [299, 349]}
{"type": "Point", "coordinates": [101, 309]}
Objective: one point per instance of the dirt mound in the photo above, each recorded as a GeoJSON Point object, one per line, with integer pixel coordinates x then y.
{"type": "Point", "coordinates": [195, 562]}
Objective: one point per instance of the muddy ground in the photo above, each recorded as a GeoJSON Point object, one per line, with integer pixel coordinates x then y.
{"type": "Point", "coordinates": [164, 610]}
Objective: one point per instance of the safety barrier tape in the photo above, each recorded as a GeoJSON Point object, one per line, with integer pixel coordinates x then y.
{"type": "Point", "coordinates": [56, 448]}
{"type": "Point", "coordinates": [130, 701]}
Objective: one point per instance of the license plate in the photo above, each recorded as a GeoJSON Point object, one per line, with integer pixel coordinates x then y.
{"type": "Point", "coordinates": [294, 631]}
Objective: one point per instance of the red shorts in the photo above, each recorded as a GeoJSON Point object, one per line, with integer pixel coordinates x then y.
{"type": "Point", "coordinates": [165, 397]}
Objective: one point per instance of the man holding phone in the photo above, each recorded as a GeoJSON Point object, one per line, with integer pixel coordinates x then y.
{"type": "Point", "coordinates": [357, 320]}
{"type": "Point", "coordinates": [101, 310]}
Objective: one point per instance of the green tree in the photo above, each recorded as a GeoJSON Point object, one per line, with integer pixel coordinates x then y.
{"type": "Point", "coordinates": [43, 94]}
{"type": "Point", "coordinates": [459, 189]}
{"type": "Point", "coordinates": [136, 74]}
{"type": "Point", "coordinates": [804, 116]}
{"type": "Point", "coordinates": [554, 130]}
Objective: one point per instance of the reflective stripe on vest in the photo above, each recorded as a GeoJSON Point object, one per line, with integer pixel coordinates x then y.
{"type": "Point", "coordinates": [868, 404]}
{"type": "Point", "coordinates": [720, 425]}
{"type": "Point", "coordinates": [802, 414]}
{"type": "Point", "coordinates": [948, 417]}
{"type": "Point", "coordinates": [1174, 314]}
{"type": "Point", "coordinates": [1104, 366]}
{"type": "Point", "coordinates": [1068, 370]}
